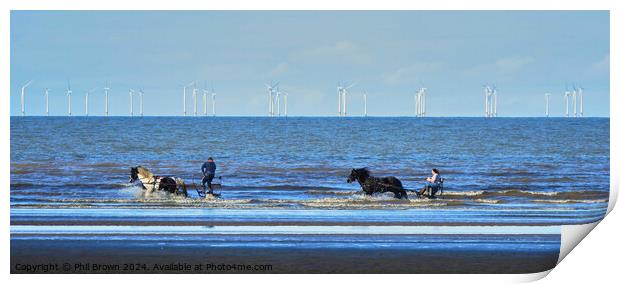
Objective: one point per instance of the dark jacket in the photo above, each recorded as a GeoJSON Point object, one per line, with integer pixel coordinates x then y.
{"type": "Point", "coordinates": [208, 168]}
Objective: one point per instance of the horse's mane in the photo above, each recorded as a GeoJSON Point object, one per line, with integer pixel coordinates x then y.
{"type": "Point", "coordinates": [363, 172]}
{"type": "Point", "coordinates": [144, 172]}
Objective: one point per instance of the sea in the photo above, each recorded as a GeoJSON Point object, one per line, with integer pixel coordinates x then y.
{"type": "Point", "coordinates": [510, 183]}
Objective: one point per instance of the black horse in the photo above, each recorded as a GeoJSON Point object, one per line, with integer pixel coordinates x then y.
{"type": "Point", "coordinates": [372, 184]}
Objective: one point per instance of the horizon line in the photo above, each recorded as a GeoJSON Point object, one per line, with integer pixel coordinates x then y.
{"type": "Point", "coordinates": [301, 116]}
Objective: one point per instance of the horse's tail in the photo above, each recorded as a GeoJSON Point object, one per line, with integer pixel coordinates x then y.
{"type": "Point", "coordinates": [181, 185]}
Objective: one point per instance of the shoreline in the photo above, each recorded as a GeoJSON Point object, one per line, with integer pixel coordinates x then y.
{"type": "Point", "coordinates": [299, 217]}
{"type": "Point", "coordinates": [279, 223]}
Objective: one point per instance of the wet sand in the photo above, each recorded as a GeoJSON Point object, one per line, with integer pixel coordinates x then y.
{"type": "Point", "coordinates": [136, 258]}
{"type": "Point", "coordinates": [317, 241]}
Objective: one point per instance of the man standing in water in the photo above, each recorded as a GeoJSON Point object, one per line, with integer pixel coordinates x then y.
{"type": "Point", "coordinates": [208, 171]}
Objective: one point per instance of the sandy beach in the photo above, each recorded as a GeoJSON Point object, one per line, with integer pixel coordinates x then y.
{"type": "Point", "coordinates": [162, 241]}
{"type": "Point", "coordinates": [280, 260]}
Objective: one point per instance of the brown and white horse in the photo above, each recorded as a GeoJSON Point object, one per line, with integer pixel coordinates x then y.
{"type": "Point", "coordinates": [150, 182]}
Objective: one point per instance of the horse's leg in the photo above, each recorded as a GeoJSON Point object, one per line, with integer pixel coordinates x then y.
{"type": "Point", "coordinates": [182, 185]}
{"type": "Point", "coordinates": [423, 190]}
{"type": "Point", "coordinates": [168, 185]}
{"type": "Point", "coordinates": [403, 194]}
{"type": "Point", "coordinates": [181, 189]}
{"type": "Point", "coordinates": [366, 189]}
{"type": "Point", "coordinates": [172, 187]}
{"type": "Point", "coordinates": [397, 193]}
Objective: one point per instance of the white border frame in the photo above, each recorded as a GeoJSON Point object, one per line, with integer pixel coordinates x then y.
{"type": "Point", "coordinates": [596, 264]}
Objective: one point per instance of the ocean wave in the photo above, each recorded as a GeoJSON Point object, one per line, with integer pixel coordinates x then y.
{"type": "Point", "coordinates": [574, 194]}
{"type": "Point", "coordinates": [132, 195]}
{"type": "Point", "coordinates": [20, 185]}
{"type": "Point", "coordinates": [333, 192]}
{"type": "Point", "coordinates": [516, 192]}
{"type": "Point", "coordinates": [316, 189]}
{"type": "Point", "coordinates": [547, 193]}
{"type": "Point", "coordinates": [464, 193]}
{"type": "Point", "coordinates": [570, 201]}
{"type": "Point", "coordinates": [488, 201]}
{"type": "Point", "coordinates": [68, 186]}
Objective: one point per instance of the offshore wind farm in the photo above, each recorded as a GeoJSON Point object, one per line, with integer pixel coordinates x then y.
{"type": "Point", "coordinates": [316, 71]}
{"type": "Point", "coordinates": [278, 101]}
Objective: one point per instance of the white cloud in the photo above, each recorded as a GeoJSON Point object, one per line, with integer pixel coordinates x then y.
{"type": "Point", "coordinates": [507, 65]}
{"type": "Point", "coordinates": [343, 49]}
{"type": "Point", "coordinates": [412, 73]}
{"type": "Point", "coordinates": [279, 69]}
{"type": "Point", "coordinates": [512, 64]}
{"type": "Point", "coordinates": [601, 65]}
{"type": "Point", "coordinates": [303, 100]}
{"type": "Point", "coordinates": [339, 47]}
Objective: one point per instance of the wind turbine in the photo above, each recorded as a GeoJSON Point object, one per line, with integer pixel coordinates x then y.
{"type": "Point", "coordinates": [107, 106]}
{"type": "Point", "coordinates": [205, 93]}
{"type": "Point", "coordinates": [184, 112]}
{"type": "Point", "coordinates": [23, 97]}
{"type": "Point", "coordinates": [47, 108]}
{"type": "Point", "coordinates": [285, 103]}
{"type": "Point", "coordinates": [421, 102]}
{"type": "Point", "coordinates": [184, 100]}
{"type": "Point", "coordinates": [494, 101]}
{"type": "Point", "coordinates": [581, 101]}
{"type": "Point", "coordinates": [194, 94]}
{"type": "Point", "coordinates": [213, 94]}
{"type": "Point", "coordinates": [574, 94]}
{"type": "Point", "coordinates": [344, 97]}
{"type": "Point", "coordinates": [417, 104]}
{"type": "Point", "coordinates": [365, 109]}
{"type": "Point", "coordinates": [547, 104]}
{"type": "Point", "coordinates": [131, 102]}
{"type": "Point", "coordinates": [490, 101]}
{"type": "Point", "coordinates": [486, 100]}
{"type": "Point", "coordinates": [278, 93]}
{"type": "Point", "coordinates": [141, 94]}
{"type": "Point", "coordinates": [271, 88]}
{"type": "Point", "coordinates": [282, 97]}
{"type": "Point", "coordinates": [339, 99]}
{"type": "Point", "coordinates": [86, 101]}
{"type": "Point", "coordinates": [566, 97]}
{"type": "Point", "coordinates": [69, 92]}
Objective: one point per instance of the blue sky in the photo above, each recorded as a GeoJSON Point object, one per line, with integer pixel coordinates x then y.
{"type": "Point", "coordinates": [390, 54]}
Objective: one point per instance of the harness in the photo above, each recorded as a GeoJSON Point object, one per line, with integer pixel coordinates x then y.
{"type": "Point", "coordinates": [156, 181]}
{"type": "Point", "coordinates": [375, 182]}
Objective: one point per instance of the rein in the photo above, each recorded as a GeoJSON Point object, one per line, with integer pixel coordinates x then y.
{"type": "Point", "coordinates": [193, 183]}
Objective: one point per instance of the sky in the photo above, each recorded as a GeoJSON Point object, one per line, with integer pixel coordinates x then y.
{"type": "Point", "coordinates": [389, 54]}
